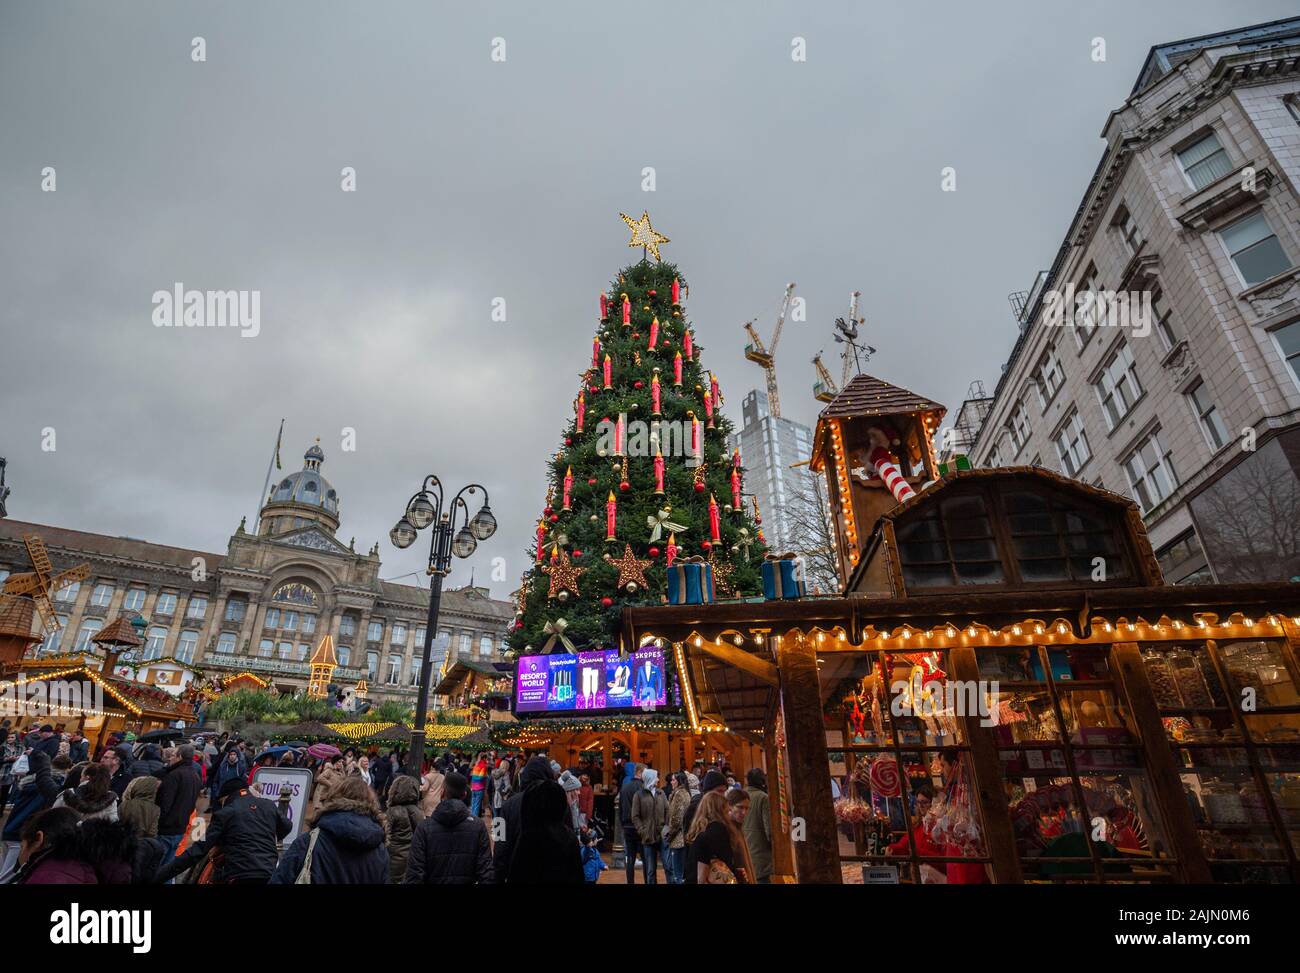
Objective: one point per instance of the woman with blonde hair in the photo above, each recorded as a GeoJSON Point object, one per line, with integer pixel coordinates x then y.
{"type": "Point", "coordinates": [717, 850]}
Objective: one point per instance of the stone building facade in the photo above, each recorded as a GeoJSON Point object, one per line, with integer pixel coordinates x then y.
{"type": "Point", "coordinates": [1193, 213]}
{"type": "Point", "coordinates": [264, 604]}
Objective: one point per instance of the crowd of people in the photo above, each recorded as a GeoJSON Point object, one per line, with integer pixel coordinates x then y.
{"type": "Point", "coordinates": [144, 813]}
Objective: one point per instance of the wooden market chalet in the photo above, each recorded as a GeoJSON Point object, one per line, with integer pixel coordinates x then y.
{"type": "Point", "coordinates": [1103, 736]}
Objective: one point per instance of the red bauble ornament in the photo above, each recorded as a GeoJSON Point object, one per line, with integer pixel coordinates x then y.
{"type": "Point", "coordinates": [592, 389]}
{"type": "Point", "coordinates": [636, 334]}
{"type": "Point", "coordinates": [547, 510]}
{"type": "Point", "coordinates": [706, 546]}
{"type": "Point", "coordinates": [700, 488]}
{"type": "Point", "coordinates": [606, 602]}
{"type": "Point", "coordinates": [654, 552]}
{"type": "Point", "coordinates": [568, 440]}
{"type": "Point", "coordinates": [625, 486]}
{"type": "Point", "coordinates": [591, 482]}
{"type": "Point", "coordinates": [652, 293]}
{"type": "Point", "coordinates": [666, 344]}
{"type": "Point", "coordinates": [576, 554]}
{"type": "Point", "coordinates": [638, 384]}
{"type": "Point", "coordinates": [555, 518]}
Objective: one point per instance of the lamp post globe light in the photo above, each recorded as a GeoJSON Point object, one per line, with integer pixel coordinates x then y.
{"type": "Point", "coordinates": [426, 509]}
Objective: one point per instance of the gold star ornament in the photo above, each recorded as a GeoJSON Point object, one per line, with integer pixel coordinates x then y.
{"type": "Point", "coordinates": [643, 234]}
{"type": "Point", "coordinates": [631, 571]}
{"type": "Point", "coordinates": [563, 574]}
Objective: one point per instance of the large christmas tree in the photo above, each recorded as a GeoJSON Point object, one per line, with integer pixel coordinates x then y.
{"type": "Point", "coordinates": [643, 477]}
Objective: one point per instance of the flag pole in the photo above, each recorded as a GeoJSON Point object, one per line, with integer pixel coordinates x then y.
{"type": "Point", "coordinates": [275, 460]}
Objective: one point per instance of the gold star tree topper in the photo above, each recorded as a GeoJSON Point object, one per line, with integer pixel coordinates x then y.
{"type": "Point", "coordinates": [643, 234]}
{"type": "Point", "coordinates": [563, 573]}
{"type": "Point", "coordinates": [631, 571]}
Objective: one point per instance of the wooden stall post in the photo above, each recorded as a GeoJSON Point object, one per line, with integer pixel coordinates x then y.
{"type": "Point", "coordinates": [817, 857]}
{"type": "Point", "coordinates": [782, 852]}
{"type": "Point", "coordinates": [1141, 701]}
{"type": "Point", "coordinates": [607, 759]}
{"type": "Point", "coordinates": [992, 796]}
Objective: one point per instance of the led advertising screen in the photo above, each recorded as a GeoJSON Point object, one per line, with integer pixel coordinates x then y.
{"type": "Point", "coordinates": [591, 681]}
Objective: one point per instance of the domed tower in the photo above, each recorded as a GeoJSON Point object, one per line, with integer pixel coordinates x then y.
{"type": "Point", "coordinates": [301, 498]}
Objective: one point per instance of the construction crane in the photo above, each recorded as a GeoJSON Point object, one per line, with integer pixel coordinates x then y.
{"type": "Point", "coordinates": [765, 355]}
{"type": "Point", "coordinates": [824, 389]}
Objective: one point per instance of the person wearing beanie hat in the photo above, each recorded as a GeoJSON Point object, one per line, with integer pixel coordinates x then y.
{"type": "Point", "coordinates": [650, 818]}
{"type": "Point", "coordinates": [246, 829]}
{"type": "Point", "coordinates": [713, 782]}
{"type": "Point", "coordinates": [571, 787]}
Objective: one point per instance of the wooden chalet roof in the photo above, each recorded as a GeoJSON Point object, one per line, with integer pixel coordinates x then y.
{"type": "Point", "coordinates": [325, 654]}
{"type": "Point", "coordinates": [135, 697]}
{"type": "Point", "coordinates": [867, 395]}
{"type": "Point", "coordinates": [118, 632]}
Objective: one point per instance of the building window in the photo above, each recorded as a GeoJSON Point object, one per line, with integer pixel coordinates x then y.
{"type": "Point", "coordinates": [308, 624]}
{"type": "Point", "coordinates": [1183, 562]}
{"type": "Point", "coordinates": [266, 648]}
{"type": "Point", "coordinates": [186, 645]}
{"type": "Point", "coordinates": [69, 594]}
{"type": "Point", "coordinates": [304, 650]}
{"type": "Point", "coordinates": [290, 622]}
{"type": "Point", "coordinates": [1018, 428]}
{"type": "Point", "coordinates": [348, 626]}
{"type": "Point", "coordinates": [394, 670]}
{"type": "Point", "coordinates": [89, 628]}
{"type": "Point", "coordinates": [375, 632]}
{"type": "Point", "coordinates": [1293, 106]}
{"type": "Point", "coordinates": [466, 644]}
{"type": "Point", "coordinates": [1048, 377]}
{"type": "Point", "coordinates": [1206, 411]}
{"type": "Point", "coordinates": [950, 546]}
{"type": "Point", "coordinates": [345, 655]}
{"type": "Point", "coordinates": [1072, 445]}
{"type": "Point", "coordinates": [272, 619]}
{"type": "Point", "coordinates": [1288, 343]}
{"type": "Point", "coordinates": [1059, 541]}
{"type": "Point", "coordinates": [102, 595]}
{"type": "Point", "coordinates": [51, 643]}
{"type": "Point", "coordinates": [1150, 472]}
{"type": "Point", "coordinates": [166, 604]}
{"type": "Point", "coordinates": [485, 647]}
{"type": "Point", "coordinates": [286, 651]}
{"type": "Point", "coordinates": [1204, 161]}
{"type": "Point", "coordinates": [1254, 249]}
{"type": "Point", "coordinates": [1162, 316]}
{"type": "Point", "coordinates": [399, 632]}
{"type": "Point", "coordinates": [414, 679]}
{"type": "Point", "coordinates": [134, 600]}
{"type": "Point", "coordinates": [1128, 230]}
{"type": "Point", "coordinates": [420, 633]}
{"type": "Point", "coordinates": [235, 609]}
{"type": "Point", "coordinates": [1118, 387]}
{"type": "Point", "coordinates": [198, 607]}
{"type": "Point", "coordinates": [155, 643]}
{"type": "Point", "coordinates": [372, 665]}
{"type": "Point", "coordinates": [1088, 309]}
{"type": "Point", "coordinates": [226, 643]}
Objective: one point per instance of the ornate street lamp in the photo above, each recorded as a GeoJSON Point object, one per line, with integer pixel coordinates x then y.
{"type": "Point", "coordinates": [426, 509]}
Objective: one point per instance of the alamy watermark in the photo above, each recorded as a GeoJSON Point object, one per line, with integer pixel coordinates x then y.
{"type": "Point", "coordinates": [181, 308]}
{"type": "Point", "coordinates": [1089, 309]}
{"type": "Point", "coordinates": [40, 698]}
{"type": "Point", "coordinates": [959, 697]}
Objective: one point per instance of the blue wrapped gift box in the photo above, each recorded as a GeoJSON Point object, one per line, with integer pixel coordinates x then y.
{"type": "Point", "coordinates": [783, 579]}
{"type": "Point", "coordinates": [690, 583]}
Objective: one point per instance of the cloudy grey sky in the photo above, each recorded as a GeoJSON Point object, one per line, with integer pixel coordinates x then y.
{"type": "Point", "coordinates": [478, 180]}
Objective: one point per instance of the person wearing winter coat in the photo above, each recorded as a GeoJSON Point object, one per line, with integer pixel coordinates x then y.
{"type": "Point", "coordinates": [118, 761]}
{"type": "Point", "coordinates": [572, 786]}
{"type": "Point", "coordinates": [675, 838]}
{"type": "Point", "coordinates": [36, 792]}
{"type": "Point", "coordinates": [451, 846]}
{"type": "Point", "coordinates": [93, 797]}
{"type": "Point", "coordinates": [346, 841]}
{"type": "Point", "coordinates": [139, 806]}
{"type": "Point", "coordinates": [232, 766]}
{"type": "Point", "coordinates": [150, 762]}
{"type": "Point", "coordinates": [758, 826]}
{"type": "Point", "coordinates": [502, 785]}
{"type": "Point", "coordinates": [381, 772]}
{"type": "Point", "coordinates": [649, 818]}
{"type": "Point", "coordinates": [477, 783]}
{"type": "Point", "coordinates": [431, 787]}
{"type": "Point", "coordinates": [546, 851]}
{"type": "Point", "coordinates": [536, 772]}
{"type": "Point", "coordinates": [243, 839]}
{"type": "Point", "coordinates": [177, 795]}
{"type": "Point", "coordinates": [592, 863]}
{"type": "Point", "coordinates": [50, 852]}
{"type": "Point", "coordinates": [401, 820]}
{"type": "Point", "coordinates": [629, 789]}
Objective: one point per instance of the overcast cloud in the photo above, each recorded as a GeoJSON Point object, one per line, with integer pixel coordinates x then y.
{"type": "Point", "coordinates": [479, 180]}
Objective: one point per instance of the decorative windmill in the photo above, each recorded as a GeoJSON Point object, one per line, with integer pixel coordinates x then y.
{"type": "Point", "coordinates": [41, 583]}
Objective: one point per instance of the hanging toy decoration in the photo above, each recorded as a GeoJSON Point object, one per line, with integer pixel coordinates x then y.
{"type": "Point", "coordinates": [654, 334]}
{"type": "Point", "coordinates": [568, 490]}
{"type": "Point", "coordinates": [655, 404]}
{"type": "Point", "coordinates": [677, 370]}
{"type": "Point", "coordinates": [627, 312]}
{"type": "Point", "coordinates": [659, 472]}
{"type": "Point", "coordinates": [611, 517]}
{"type": "Point", "coordinates": [581, 408]}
